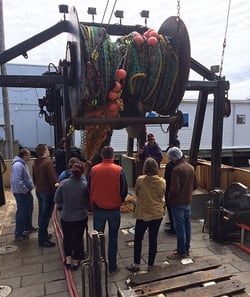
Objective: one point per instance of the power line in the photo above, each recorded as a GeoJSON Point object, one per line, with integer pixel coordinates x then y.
{"type": "Point", "coordinates": [112, 12]}
{"type": "Point", "coordinates": [107, 3]}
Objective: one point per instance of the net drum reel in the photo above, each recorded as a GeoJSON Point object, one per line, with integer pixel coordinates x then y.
{"type": "Point", "coordinates": [155, 77]}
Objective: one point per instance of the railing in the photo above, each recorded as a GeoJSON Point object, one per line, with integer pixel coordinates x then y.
{"type": "Point", "coordinates": [229, 175]}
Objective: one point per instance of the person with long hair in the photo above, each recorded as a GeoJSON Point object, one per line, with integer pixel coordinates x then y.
{"type": "Point", "coordinates": [73, 198]}
{"type": "Point", "coordinates": [149, 211]}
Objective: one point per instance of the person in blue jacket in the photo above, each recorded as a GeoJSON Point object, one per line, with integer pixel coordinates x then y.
{"type": "Point", "coordinates": [21, 186]}
{"type": "Point", "coordinates": [67, 173]}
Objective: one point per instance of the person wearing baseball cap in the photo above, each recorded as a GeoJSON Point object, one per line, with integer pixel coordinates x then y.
{"type": "Point", "coordinates": [151, 149]}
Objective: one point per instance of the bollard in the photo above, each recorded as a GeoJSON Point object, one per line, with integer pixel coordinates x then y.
{"type": "Point", "coordinates": [95, 266]}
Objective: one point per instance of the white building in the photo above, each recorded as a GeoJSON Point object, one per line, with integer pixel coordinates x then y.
{"type": "Point", "coordinates": [235, 128]}
{"type": "Point", "coordinates": [28, 128]}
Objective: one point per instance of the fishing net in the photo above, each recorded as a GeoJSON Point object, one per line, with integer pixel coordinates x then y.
{"type": "Point", "coordinates": [150, 68]}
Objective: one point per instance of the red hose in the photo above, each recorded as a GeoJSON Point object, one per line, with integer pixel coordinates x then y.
{"type": "Point", "coordinates": [68, 274]}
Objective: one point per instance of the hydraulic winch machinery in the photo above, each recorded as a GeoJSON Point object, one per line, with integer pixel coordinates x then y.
{"type": "Point", "coordinates": [101, 85]}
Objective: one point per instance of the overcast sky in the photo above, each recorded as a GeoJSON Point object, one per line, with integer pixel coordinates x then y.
{"type": "Point", "coordinates": [205, 21]}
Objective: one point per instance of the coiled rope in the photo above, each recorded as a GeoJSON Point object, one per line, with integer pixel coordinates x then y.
{"type": "Point", "coordinates": [136, 73]}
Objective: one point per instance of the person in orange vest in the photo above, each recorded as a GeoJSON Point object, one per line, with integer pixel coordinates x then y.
{"type": "Point", "coordinates": [108, 188]}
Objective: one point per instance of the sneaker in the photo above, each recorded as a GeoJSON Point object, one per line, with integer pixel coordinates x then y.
{"type": "Point", "coordinates": [75, 266]}
{"type": "Point", "coordinates": [32, 230]}
{"type": "Point", "coordinates": [170, 231]}
{"type": "Point", "coordinates": [112, 273]}
{"type": "Point", "coordinates": [67, 265]}
{"type": "Point", "coordinates": [21, 238]}
{"type": "Point", "coordinates": [133, 268]}
{"type": "Point", "coordinates": [150, 268]}
{"type": "Point", "coordinates": [47, 244]}
{"type": "Point", "coordinates": [177, 256]}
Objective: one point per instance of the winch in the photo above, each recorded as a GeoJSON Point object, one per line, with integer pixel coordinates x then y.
{"type": "Point", "coordinates": [228, 211]}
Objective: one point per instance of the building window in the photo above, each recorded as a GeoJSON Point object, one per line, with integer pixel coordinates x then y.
{"type": "Point", "coordinates": [185, 120]}
{"type": "Point", "coordinates": [241, 119]}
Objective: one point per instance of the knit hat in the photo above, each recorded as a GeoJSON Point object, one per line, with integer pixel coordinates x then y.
{"type": "Point", "coordinates": [151, 136]}
{"type": "Point", "coordinates": [175, 153]}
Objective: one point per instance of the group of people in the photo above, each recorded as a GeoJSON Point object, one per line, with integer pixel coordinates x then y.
{"type": "Point", "coordinates": [176, 187]}
{"type": "Point", "coordinates": [103, 191]}
{"type": "Point", "coordinates": [44, 179]}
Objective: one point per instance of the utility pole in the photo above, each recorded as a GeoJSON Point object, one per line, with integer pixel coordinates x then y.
{"type": "Point", "coordinates": [3, 71]}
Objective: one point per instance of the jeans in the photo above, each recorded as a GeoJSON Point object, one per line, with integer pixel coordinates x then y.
{"type": "Point", "coordinates": [24, 203]}
{"type": "Point", "coordinates": [29, 224]}
{"type": "Point", "coordinates": [73, 238]}
{"type": "Point", "coordinates": [140, 229]}
{"type": "Point", "coordinates": [45, 207]}
{"type": "Point", "coordinates": [182, 224]}
{"type": "Point", "coordinates": [170, 216]}
{"type": "Point", "coordinates": [113, 217]}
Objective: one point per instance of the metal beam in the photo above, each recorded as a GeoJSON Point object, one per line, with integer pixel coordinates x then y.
{"type": "Point", "coordinates": [117, 29]}
{"type": "Point", "coordinates": [209, 86]}
{"type": "Point", "coordinates": [218, 115]}
{"type": "Point", "coordinates": [23, 47]}
{"type": "Point", "coordinates": [198, 126]}
{"type": "Point", "coordinates": [126, 121]}
{"type": "Point", "coordinates": [31, 81]}
{"type": "Point", "coordinates": [203, 71]}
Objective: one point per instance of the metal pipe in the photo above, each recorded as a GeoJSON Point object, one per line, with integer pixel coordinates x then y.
{"type": "Point", "coordinates": [126, 121]}
{"type": "Point", "coordinates": [33, 81]}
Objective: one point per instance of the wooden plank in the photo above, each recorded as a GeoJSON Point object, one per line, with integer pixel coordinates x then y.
{"type": "Point", "coordinates": [172, 270]}
{"type": "Point", "coordinates": [184, 281]}
{"type": "Point", "coordinates": [218, 289]}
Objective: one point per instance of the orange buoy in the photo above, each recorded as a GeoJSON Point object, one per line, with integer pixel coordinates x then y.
{"type": "Point", "coordinates": [120, 74]}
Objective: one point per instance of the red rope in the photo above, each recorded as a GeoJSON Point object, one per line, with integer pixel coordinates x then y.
{"type": "Point", "coordinates": [68, 274]}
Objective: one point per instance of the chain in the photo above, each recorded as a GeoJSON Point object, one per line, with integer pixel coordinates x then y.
{"type": "Point", "coordinates": [224, 42]}
{"type": "Point", "coordinates": [178, 9]}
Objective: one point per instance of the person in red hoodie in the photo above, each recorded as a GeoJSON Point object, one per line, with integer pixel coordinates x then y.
{"type": "Point", "coordinates": [108, 188]}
